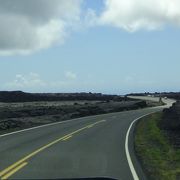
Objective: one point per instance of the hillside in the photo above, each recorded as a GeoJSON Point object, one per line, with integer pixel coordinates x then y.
{"type": "Point", "coordinates": [19, 96]}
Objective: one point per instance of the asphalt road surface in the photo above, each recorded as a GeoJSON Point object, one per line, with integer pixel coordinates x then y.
{"type": "Point", "coordinates": [95, 146]}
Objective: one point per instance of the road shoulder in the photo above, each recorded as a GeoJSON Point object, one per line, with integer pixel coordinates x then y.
{"type": "Point", "coordinates": [157, 157]}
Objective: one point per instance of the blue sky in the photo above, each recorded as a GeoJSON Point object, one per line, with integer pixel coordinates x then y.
{"type": "Point", "coordinates": [98, 58]}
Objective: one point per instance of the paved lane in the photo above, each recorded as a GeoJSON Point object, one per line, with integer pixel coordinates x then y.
{"type": "Point", "coordinates": [86, 147]}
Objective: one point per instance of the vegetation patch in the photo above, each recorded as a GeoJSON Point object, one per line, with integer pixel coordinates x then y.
{"type": "Point", "coordinates": [171, 124]}
{"type": "Point", "coordinates": [16, 116]}
{"type": "Point", "coordinates": [160, 160]}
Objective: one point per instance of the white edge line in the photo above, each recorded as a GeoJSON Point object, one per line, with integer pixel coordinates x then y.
{"type": "Point", "coordinates": [131, 166]}
{"type": "Point", "coordinates": [51, 124]}
{"type": "Point", "coordinates": [65, 121]}
{"type": "Point", "coordinates": [37, 127]}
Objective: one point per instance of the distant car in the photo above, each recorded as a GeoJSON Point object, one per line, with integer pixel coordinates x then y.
{"type": "Point", "coordinates": [165, 97]}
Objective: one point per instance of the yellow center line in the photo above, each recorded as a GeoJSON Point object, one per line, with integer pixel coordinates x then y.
{"type": "Point", "coordinates": [66, 138]}
{"type": "Point", "coordinates": [14, 171]}
{"type": "Point", "coordinates": [19, 163]}
{"type": "Point", "coordinates": [90, 126]}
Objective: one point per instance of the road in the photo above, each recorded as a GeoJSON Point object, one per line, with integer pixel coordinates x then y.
{"type": "Point", "coordinates": [85, 147]}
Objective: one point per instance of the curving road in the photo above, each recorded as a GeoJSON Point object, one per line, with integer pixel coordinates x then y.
{"type": "Point", "coordinates": [92, 146]}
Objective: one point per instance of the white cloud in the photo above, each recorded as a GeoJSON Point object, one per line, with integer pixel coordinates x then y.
{"type": "Point", "coordinates": [30, 25]}
{"type": "Point", "coordinates": [34, 81]}
{"type": "Point", "coordinates": [27, 26]}
{"type": "Point", "coordinates": [26, 81]}
{"type": "Point", "coordinates": [70, 75]}
{"type": "Point", "coordinates": [90, 18]}
{"type": "Point", "coordinates": [133, 15]}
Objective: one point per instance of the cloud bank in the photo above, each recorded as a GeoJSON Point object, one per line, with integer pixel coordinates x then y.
{"type": "Point", "coordinates": [33, 80]}
{"type": "Point", "coordinates": [26, 81]}
{"type": "Point", "coordinates": [28, 26]}
{"type": "Point", "coordinates": [133, 15]}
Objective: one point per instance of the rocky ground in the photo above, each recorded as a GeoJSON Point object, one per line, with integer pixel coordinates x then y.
{"type": "Point", "coordinates": [22, 115]}
{"type": "Point", "coordinates": [171, 123]}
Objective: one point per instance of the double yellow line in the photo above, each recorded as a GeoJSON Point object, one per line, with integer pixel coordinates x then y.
{"type": "Point", "coordinates": [12, 169]}
{"type": "Point", "coordinates": [9, 171]}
